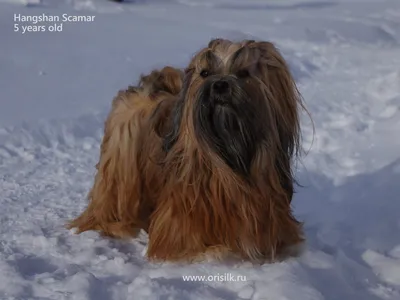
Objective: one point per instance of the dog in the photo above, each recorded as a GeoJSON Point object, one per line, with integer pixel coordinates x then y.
{"type": "Point", "coordinates": [202, 158]}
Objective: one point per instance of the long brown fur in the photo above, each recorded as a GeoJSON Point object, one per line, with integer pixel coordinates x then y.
{"type": "Point", "coordinates": [120, 205]}
{"type": "Point", "coordinates": [186, 197]}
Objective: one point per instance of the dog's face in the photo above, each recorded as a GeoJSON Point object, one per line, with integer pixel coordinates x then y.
{"type": "Point", "coordinates": [238, 98]}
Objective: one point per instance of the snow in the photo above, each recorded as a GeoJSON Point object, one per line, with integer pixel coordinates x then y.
{"type": "Point", "coordinates": [56, 89]}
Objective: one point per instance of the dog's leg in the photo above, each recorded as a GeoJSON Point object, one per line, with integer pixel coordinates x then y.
{"type": "Point", "coordinates": [116, 206]}
{"type": "Point", "coordinates": [282, 230]}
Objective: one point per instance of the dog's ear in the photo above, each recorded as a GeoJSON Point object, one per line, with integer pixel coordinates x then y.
{"type": "Point", "coordinates": [167, 80]}
{"type": "Point", "coordinates": [174, 127]}
{"type": "Point", "coordinates": [283, 94]}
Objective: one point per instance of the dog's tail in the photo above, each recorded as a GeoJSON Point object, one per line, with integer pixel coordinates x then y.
{"type": "Point", "coordinates": [168, 80]}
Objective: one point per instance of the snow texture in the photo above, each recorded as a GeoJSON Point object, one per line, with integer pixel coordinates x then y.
{"type": "Point", "coordinates": [56, 89]}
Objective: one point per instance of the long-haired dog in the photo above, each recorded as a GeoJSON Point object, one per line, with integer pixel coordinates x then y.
{"type": "Point", "coordinates": [202, 159]}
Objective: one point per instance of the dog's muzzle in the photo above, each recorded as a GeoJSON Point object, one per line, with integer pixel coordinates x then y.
{"type": "Point", "coordinates": [221, 91]}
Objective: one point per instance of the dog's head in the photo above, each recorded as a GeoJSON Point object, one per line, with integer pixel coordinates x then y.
{"type": "Point", "coordinates": [239, 101]}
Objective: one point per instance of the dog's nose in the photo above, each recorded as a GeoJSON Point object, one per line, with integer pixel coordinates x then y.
{"type": "Point", "coordinates": [221, 87]}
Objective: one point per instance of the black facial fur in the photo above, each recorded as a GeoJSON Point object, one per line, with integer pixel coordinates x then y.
{"type": "Point", "coordinates": [229, 124]}
{"type": "Point", "coordinates": [233, 129]}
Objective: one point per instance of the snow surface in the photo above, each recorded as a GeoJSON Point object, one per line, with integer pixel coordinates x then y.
{"type": "Point", "coordinates": [56, 89]}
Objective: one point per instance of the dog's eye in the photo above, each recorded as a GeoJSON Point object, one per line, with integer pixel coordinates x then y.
{"type": "Point", "coordinates": [243, 73]}
{"type": "Point", "coordinates": [204, 73]}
